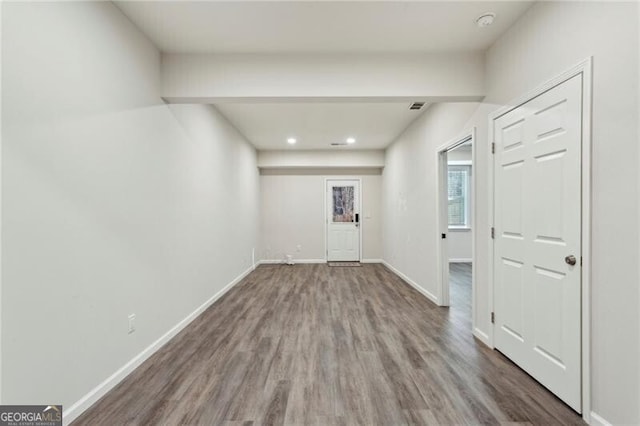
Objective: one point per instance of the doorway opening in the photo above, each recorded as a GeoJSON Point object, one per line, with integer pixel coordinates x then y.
{"type": "Point", "coordinates": [456, 205]}
{"type": "Point", "coordinates": [343, 225]}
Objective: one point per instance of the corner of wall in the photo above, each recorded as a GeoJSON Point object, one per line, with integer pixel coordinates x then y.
{"type": "Point", "coordinates": [596, 420]}
{"type": "Point", "coordinates": [432, 297]}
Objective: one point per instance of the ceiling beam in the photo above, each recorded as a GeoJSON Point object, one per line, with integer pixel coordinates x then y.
{"type": "Point", "coordinates": [367, 159]}
{"type": "Point", "coordinates": [210, 78]}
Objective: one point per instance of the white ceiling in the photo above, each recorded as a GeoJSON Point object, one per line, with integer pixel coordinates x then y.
{"type": "Point", "coordinates": [320, 27]}
{"type": "Point", "coordinates": [317, 125]}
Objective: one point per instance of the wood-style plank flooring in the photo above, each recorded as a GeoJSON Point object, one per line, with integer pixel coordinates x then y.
{"type": "Point", "coordinates": [312, 344]}
{"type": "Point", "coordinates": [460, 290]}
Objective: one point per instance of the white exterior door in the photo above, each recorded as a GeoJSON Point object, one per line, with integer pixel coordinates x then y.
{"type": "Point", "coordinates": [343, 220]}
{"type": "Point", "coordinates": [537, 266]}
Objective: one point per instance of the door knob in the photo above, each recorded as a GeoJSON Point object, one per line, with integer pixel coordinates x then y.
{"type": "Point", "coordinates": [571, 260]}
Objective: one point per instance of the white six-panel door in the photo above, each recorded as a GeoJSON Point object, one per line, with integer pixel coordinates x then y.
{"type": "Point", "coordinates": [537, 218]}
{"type": "Point", "coordinates": [343, 220]}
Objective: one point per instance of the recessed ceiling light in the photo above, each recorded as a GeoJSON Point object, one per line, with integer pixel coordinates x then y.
{"type": "Point", "coordinates": [485, 19]}
{"type": "Point", "coordinates": [291, 141]}
{"type": "Point", "coordinates": [351, 140]}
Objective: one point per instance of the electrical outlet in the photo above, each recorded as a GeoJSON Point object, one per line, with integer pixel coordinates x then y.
{"type": "Point", "coordinates": [132, 323]}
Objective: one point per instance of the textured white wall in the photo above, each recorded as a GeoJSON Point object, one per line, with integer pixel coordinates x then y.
{"type": "Point", "coordinates": [292, 214]}
{"type": "Point", "coordinates": [112, 202]}
{"type": "Point", "coordinates": [550, 38]}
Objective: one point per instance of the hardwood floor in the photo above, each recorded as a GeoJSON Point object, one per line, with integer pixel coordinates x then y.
{"type": "Point", "coordinates": [311, 344]}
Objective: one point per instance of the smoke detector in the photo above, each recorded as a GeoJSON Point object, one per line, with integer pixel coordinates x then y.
{"type": "Point", "coordinates": [485, 19]}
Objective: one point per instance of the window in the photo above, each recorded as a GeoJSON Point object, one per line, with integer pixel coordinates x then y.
{"type": "Point", "coordinates": [459, 192]}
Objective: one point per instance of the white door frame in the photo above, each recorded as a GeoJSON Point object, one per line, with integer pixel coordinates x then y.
{"type": "Point", "coordinates": [443, 221]}
{"type": "Point", "coordinates": [326, 213]}
{"type": "Point", "coordinates": [584, 68]}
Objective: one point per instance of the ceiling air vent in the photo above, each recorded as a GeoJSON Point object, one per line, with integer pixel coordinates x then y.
{"type": "Point", "coordinates": [338, 143]}
{"type": "Point", "coordinates": [416, 105]}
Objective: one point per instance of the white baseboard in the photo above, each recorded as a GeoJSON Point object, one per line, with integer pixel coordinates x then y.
{"type": "Point", "coordinates": [596, 420]}
{"type": "Point", "coordinates": [99, 391]}
{"type": "Point", "coordinates": [482, 336]}
{"type": "Point", "coordinates": [283, 262]}
{"type": "Point", "coordinates": [460, 260]}
{"type": "Point", "coordinates": [412, 283]}
{"type": "Point", "coordinates": [270, 261]}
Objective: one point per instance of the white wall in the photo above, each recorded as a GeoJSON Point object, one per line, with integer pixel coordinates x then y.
{"type": "Point", "coordinates": [460, 248]}
{"type": "Point", "coordinates": [292, 213]}
{"type": "Point", "coordinates": [638, 189]}
{"type": "Point", "coordinates": [462, 153]}
{"type": "Point", "coordinates": [112, 202]}
{"type": "Point", "coordinates": [550, 38]}
{"type": "Point", "coordinates": [1, 274]}
{"type": "Point", "coordinates": [409, 234]}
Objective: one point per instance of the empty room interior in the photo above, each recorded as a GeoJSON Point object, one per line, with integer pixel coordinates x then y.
{"type": "Point", "coordinates": [320, 212]}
